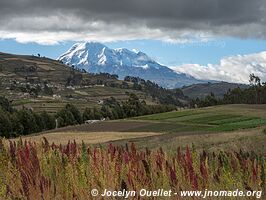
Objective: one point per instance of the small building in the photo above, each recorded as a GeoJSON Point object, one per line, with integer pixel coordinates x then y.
{"type": "Point", "coordinates": [91, 121]}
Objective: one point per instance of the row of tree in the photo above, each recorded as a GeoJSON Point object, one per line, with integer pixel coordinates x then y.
{"type": "Point", "coordinates": [22, 122]}
{"type": "Point", "coordinates": [255, 94]}
{"type": "Point", "coordinates": [25, 121]}
{"type": "Point", "coordinates": [111, 109]}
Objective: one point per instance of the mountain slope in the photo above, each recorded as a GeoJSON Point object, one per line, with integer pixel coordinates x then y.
{"type": "Point", "coordinates": [32, 69]}
{"type": "Point", "coordinates": [96, 57]}
{"type": "Point", "coordinates": [204, 89]}
{"type": "Point", "coordinates": [41, 84]}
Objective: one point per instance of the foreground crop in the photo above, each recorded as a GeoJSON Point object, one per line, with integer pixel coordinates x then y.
{"type": "Point", "coordinates": [43, 171]}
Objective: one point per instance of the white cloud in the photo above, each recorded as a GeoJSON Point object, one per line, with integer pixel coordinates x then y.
{"type": "Point", "coordinates": [231, 69]}
{"type": "Point", "coordinates": [177, 21]}
{"type": "Point", "coordinates": [105, 35]}
{"type": "Point", "coordinates": [68, 27]}
{"type": "Point", "coordinates": [59, 28]}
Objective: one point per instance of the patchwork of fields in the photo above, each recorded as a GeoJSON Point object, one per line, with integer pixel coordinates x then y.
{"type": "Point", "coordinates": [81, 98]}
{"type": "Point", "coordinates": [218, 148]}
{"type": "Point", "coordinates": [211, 119]}
{"type": "Point", "coordinates": [212, 128]}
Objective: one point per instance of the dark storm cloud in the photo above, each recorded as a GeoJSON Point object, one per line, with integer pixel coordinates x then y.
{"type": "Point", "coordinates": [240, 18]}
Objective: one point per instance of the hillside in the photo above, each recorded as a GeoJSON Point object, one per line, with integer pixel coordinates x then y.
{"type": "Point", "coordinates": [210, 128]}
{"type": "Point", "coordinates": [96, 57]}
{"type": "Point", "coordinates": [44, 84]}
{"type": "Point", "coordinates": [201, 90]}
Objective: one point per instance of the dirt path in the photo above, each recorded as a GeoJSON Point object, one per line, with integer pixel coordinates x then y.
{"type": "Point", "coordinates": [87, 137]}
{"type": "Point", "coordinates": [106, 126]}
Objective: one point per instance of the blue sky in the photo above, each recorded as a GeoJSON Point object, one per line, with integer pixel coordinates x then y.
{"type": "Point", "coordinates": [170, 54]}
{"type": "Point", "coordinates": [235, 31]}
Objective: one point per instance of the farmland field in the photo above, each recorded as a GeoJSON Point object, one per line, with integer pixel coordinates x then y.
{"type": "Point", "coordinates": [215, 148]}
{"type": "Point", "coordinates": [211, 119]}
{"type": "Point", "coordinates": [213, 128]}
{"type": "Point", "coordinates": [44, 171]}
{"type": "Point", "coordinates": [82, 98]}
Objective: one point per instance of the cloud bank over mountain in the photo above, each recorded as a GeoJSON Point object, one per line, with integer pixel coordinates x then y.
{"type": "Point", "coordinates": [232, 69]}
{"type": "Point", "coordinates": [50, 21]}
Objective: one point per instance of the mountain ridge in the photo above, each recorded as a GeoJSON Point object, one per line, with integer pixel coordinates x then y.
{"type": "Point", "coordinates": [95, 57]}
{"type": "Point", "coordinates": [201, 90]}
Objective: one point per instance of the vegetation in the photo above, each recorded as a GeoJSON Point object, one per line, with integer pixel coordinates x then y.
{"type": "Point", "coordinates": [255, 94]}
{"type": "Point", "coordinates": [22, 122]}
{"type": "Point", "coordinates": [212, 119]}
{"type": "Point", "coordinates": [31, 171]}
{"type": "Point", "coordinates": [111, 109]}
{"type": "Point", "coordinates": [32, 85]}
{"type": "Point", "coordinates": [213, 128]}
{"type": "Point", "coordinates": [25, 121]}
{"type": "Point", "coordinates": [164, 96]}
{"type": "Point", "coordinates": [201, 90]}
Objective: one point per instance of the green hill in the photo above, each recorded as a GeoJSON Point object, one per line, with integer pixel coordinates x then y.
{"type": "Point", "coordinates": [41, 83]}
{"type": "Point", "coordinates": [203, 89]}
{"type": "Point", "coordinates": [213, 128]}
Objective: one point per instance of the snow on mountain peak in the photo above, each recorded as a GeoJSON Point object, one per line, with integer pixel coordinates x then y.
{"type": "Point", "coordinates": [102, 57]}
{"type": "Point", "coordinates": [97, 54]}
{"type": "Point", "coordinates": [95, 57]}
{"type": "Point", "coordinates": [135, 51]}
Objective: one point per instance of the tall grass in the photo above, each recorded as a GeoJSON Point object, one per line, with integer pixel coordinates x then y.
{"type": "Point", "coordinates": [48, 171]}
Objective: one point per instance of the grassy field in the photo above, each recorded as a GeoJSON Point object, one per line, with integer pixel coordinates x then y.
{"type": "Point", "coordinates": [212, 128]}
{"type": "Point", "coordinates": [47, 171]}
{"type": "Point", "coordinates": [211, 119]}
{"type": "Point", "coordinates": [88, 138]}
{"type": "Point", "coordinates": [221, 148]}
{"type": "Point", "coordinates": [81, 98]}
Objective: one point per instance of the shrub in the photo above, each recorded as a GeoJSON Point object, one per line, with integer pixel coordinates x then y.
{"type": "Point", "coordinates": [43, 171]}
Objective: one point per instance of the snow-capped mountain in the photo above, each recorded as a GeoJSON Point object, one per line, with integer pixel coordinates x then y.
{"type": "Point", "coordinates": [95, 58]}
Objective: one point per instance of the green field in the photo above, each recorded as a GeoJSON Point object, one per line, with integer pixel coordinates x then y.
{"type": "Point", "coordinates": [211, 119]}
{"type": "Point", "coordinates": [232, 137]}
{"type": "Point", "coordinates": [213, 128]}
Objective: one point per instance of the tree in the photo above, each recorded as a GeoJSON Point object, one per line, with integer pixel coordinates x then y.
{"type": "Point", "coordinates": [5, 124]}
{"type": "Point", "coordinates": [48, 120]}
{"type": "Point", "coordinates": [108, 112]}
{"type": "Point", "coordinates": [65, 118]}
{"type": "Point", "coordinates": [133, 107]}
{"type": "Point", "coordinates": [27, 120]}
{"type": "Point", "coordinates": [97, 113]}
{"type": "Point", "coordinates": [254, 80]}
{"type": "Point", "coordinates": [39, 122]}
{"type": "Point", "coordinates": [88, 114]}
{"type": "Point", "coordinates": [75, 112]}
{"type": "Point", "coordinates": [17, 127]}
{"type": "Point", "coordinates": [5, 104]}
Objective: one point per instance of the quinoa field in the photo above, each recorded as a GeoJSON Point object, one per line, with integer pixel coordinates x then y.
{"type": "Point", "coordinates": [47, 171]}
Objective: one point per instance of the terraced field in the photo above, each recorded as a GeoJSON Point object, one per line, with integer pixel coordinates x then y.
{"type": "Point", "coordinates": [18, 72]}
